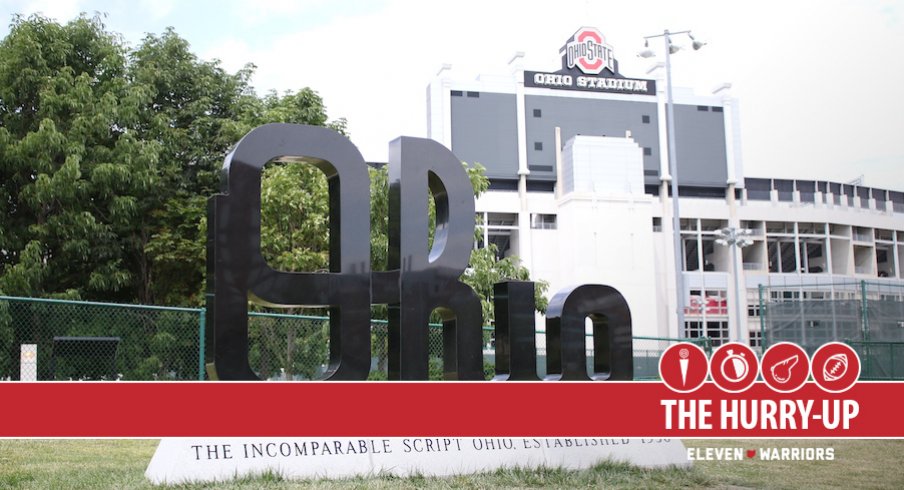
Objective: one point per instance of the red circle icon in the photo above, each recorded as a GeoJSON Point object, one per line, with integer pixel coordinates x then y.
{"type": "Point", "coordinates": [785, 367]}
{"type": "Point", "coordinates": [835, 367]}
{"type": "Point", "coordinates": [733, 367]}
{"type": "Point", "coordinates": [683, 367]}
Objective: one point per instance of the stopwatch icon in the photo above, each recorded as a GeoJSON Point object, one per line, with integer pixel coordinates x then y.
{"type": "Point", "coordinates": [734, 367]}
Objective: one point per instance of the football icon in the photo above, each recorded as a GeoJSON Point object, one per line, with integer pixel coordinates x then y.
{"type": "Point", "coordinates": [835, 367]}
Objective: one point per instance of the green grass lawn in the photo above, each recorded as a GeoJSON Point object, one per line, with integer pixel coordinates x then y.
{"type": "Point", "coordinates": [43, 464]}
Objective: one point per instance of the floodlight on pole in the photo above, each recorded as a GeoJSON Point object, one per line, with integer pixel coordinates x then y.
{"type": "Point", "coordinates": [696, 44]}
{"type": "Point", "coordinates": [671, 49]}
{"type": "Point", "coordinates": [735, 239]}
{"type": "Point", "coordinates": [647, 52]}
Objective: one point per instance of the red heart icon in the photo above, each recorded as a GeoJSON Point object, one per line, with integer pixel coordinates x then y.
{"type": "Point", "coordinates": [751, 453]}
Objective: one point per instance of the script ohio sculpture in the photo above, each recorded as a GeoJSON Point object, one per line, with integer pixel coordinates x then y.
{"type": "Point", "coordinates": [418, 282]}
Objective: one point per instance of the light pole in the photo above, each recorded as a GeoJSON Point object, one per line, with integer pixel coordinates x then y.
{"type": "Point", "coordinates": [735, 238]}
{"type": "Point", "coordinates": [671, 49]}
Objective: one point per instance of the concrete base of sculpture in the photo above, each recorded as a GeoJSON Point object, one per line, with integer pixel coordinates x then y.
{"type": "Point", "coordinates": [179, 460]}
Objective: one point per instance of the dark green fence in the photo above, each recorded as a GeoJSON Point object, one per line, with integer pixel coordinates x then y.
{"type": "Point", "coordinates": [154, 343]}
{"type": "Point", "coordinates": [811, 315]}
{"type": "Point", "coordinates": [867, 315]}
{"type": "Point", "coordinates": [296, 347]}
{"type": "Point", "coordinates": [880, 360]}
{"type": "Point", "coordinates": [87, 340]}
{"type": "Point", "coordinates": [648, 350]}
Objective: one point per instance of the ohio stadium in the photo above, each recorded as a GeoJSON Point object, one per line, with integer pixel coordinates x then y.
{"type": "Point", "coordinates": [581, 186]}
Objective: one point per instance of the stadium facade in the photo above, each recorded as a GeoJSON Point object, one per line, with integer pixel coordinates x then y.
{"type": "Point", "coordinates": [578, 163]}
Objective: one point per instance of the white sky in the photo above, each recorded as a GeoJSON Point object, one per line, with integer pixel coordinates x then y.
{"type": "Point", "coordinates": [820, 83]}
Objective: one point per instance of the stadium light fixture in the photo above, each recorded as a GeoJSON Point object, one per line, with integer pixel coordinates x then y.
{"type": "Point", "coordinates": [646, 52]}
{"type": "Point", "coordinates": [696, 44]}
{"type": "Point", "coordinates": [735, 239]}
{"type": "Point", "coordinates": [671, 49]}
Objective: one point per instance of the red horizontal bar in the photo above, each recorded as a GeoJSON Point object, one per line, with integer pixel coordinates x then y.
{"type": "Point", "coordinates": [538, 409]}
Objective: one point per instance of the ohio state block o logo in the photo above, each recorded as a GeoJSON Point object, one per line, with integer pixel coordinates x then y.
{"type": "Point", "coordinates": [587, 66]}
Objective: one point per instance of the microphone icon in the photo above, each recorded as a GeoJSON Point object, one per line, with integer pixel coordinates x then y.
{"type": "Point", "coordinates": [683, 354]}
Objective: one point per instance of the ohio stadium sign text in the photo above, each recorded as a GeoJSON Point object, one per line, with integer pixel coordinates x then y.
{"type": "Point", "coordinates": [419, 280]}
{"type": "Point", "coordinates": [554, 80]}
{"type": "Point", "coordinates": [588, 64]}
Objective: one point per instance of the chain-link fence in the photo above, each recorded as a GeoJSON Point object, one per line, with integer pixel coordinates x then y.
{"type": "Point", "coordinates": [77, 340]}
{"type": "Point", "coordinates": [83, 340]}
{"type": "Point", "coordinates": [868, 315]}
{"type": "Point", "coordinates": [880, 360]}
{"type": "Point", "coordinates": [296, 347]}
{"type": "Point", "coordinates": [648, 350]}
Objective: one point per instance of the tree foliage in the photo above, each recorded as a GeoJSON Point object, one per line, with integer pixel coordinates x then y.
{"type": "Point", "coordinates": [74, 177]}
{"type": "Point", "coordinates": [109, 154]}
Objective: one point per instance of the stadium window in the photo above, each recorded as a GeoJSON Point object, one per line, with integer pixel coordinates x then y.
{"type": "Point", "coordinates": [788, 256]}
{"type": "Point", "coordinates": [693, 329]}
{"type": "Point", "coordinates": [500, 230]}
{"type": "Point", "coordinates": [543, 221]}
{"type": "Point", "coordinates": [717, 331]}
{"type": "Point", "coordinates": [779, 227]}
{"type": "Point", "coordinates": [688, 224]}
{"type": "Point", "coordinates": [712, 224]}
{"type": "Point", "coordinates": [474, 95]}
{"type": "Point", "coordinates": [716, 302]}
{"type": "Point", "coordinates": [505, 220]}
{"type": "Point", "coordinates": [756, 338]}
{"type": "Point", "coordinates": [717, 109]}
{"type": "Point", "coordinates": [807, 228]}
{"type": "Point", "coordinates": [645, 119]}
{"type": "Point", "coordinates": [538, 113]}
{"type": "Point", "coordinates": [538, 146]}
{"type": "Point", "coordinates": [691, 259]}
{"type": "Point", "coordinates": [708, 247]}
{"type": "Point", "coordinates": [785, 189]}
{"type": "Point", "coordinates": [812, 254]}
{"type": "Point", "coordinates": [703, 108]}
{"type": "Point", "coordinates": [758, 189]}
{"type": "Point", "coordinates": [457, 93]}
{"type": "Point", "coordinates": [647, 151]}
{"type": "Point", "coordinates": [887, 235]}
{"type": "Point", "coordinates": [502, 239]}
{"type": "Point", "coordinates": [753, 310]}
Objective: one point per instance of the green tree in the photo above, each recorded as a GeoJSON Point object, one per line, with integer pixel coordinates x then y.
{"type": "Point", "coordinates": [72, 174]}
{"type": "Point", "coordinates": [294, 237]}
{"type": "Point", "coordinates": [108, 157]}
{"type": "Point", "coordinates": [196, 113]}
{"type": "Point", "coordinates": [484, 268]}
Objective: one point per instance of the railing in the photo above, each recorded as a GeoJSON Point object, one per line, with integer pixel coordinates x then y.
{"type": "Point", "coordinates": [168, 343]}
